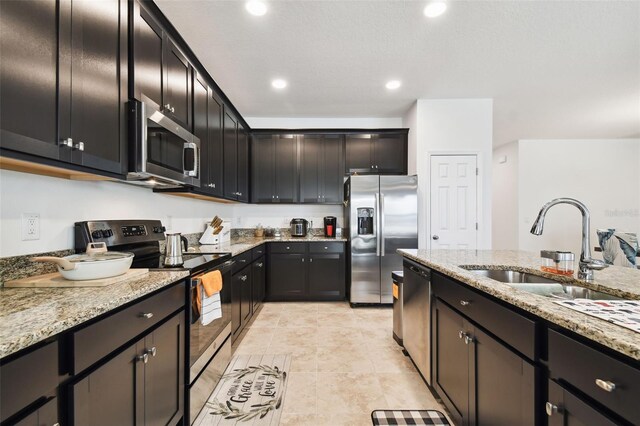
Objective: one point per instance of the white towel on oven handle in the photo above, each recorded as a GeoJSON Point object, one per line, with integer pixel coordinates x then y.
{"type": "Point", "coordinates": [211, 307]}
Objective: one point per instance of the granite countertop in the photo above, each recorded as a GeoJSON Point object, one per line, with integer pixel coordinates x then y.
{"type": "Point", "coordinates": [31, 315]}
{"type": "Point", "coordinates": [616, 280]}
{"type": "Point", "coordinates": [239, 245]}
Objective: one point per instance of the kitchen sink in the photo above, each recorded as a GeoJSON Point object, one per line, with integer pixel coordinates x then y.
{"type": "Point", "coordinates": [541, 285]}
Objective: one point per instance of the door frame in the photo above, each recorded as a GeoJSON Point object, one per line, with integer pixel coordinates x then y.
{"type": "Point", "coordinates": [426, 202]}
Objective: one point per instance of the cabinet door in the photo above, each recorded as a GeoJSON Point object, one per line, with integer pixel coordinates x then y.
{"type": "Point", "coordinates": [311, 160]}
{"type": "Point", "coordinates": [92, 100]}
{"type": "Point", "coordinates": [450, 360]}
{"type": "Point", "coordinates": [215, 145]}
{"type": "Point", "coordinates": [359, 154]}
{"type": "Point", "coordinates": [263, 169]}
{"type": "Point", "coordinates": [326, 276]}
{"type": "Point", "coordinates": [503, 384]}
{"type": "Point", "coordinates": [148, 43]}
{"type": "Point", "coordinates": [258, 279]}
{"type": "Point", "coordinates": [566, 409]}
{"type": "Point", "coordinates": [230, 157]}
{"type": "Point", "coordinates": [236, 301]}
{"type": "Point", "coordinates": [46, 415]}
{"type": "Point", "coordinates": [177, 84]}
{"type": "Point", "coordinates": [29, 78]}
{"type": "Point", "coordinates": [113, 394]}
{"type": "Point", "coordinates": [243, 164]}
{"type": "Point", "coordinates": [286, 171]}
{"type": "Point", "coordinates": [390, 153]}
{"type": "Point", "coordinates": [244, 281]}
{"type": "Point", "coordinates": [332, 170]}
{"type": "Point", "coordinates": [164, 373]}
{"type": "Point", "coordinates": [201, 127]}
{"type": "Point", "coordinates": [287, 277]}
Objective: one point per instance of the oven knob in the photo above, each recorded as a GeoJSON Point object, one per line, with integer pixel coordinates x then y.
{"type": "Point", "coordinates": [159, 229]}
{"type": "Point", "coordinates": [96, 234]}
{"type": "Point", "coordinates": [106, 233]}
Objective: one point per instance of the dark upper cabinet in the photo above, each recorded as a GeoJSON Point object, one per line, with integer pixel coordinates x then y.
{"type": "Point", "coordinates": [321, 166]}
{"type": "Point", "coordinates": [177, 102]}
{"type": "Point", "coordinates": [274, 162]}
{"type": "Point", "coordinates": [230, 148]}
{"type": "Point", "coordinates": [88, 93]}
{"type": "Point", "coordinates": [93, 82]}
{"type": "Point", "coordinates": [381, 153]}
{"type": "Point", "coordinates": [207, 126]}
{"type": "Point", "coordinates": [243, 164]}
{"type": "Point", "coordinates": [162, 73]}
{"type": "Point", "coordinates": [28, 77]}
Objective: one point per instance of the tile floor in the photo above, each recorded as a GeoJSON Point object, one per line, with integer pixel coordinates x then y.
{"type": "Point", "coordinates": [344, 362]}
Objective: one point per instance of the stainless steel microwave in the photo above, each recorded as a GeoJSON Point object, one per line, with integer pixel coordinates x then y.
{"type": "Point", "coordinates": [163, 153]}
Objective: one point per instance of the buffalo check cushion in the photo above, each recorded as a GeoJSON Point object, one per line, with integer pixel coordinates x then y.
{"type": "Point", "coordinates": [408, 417]}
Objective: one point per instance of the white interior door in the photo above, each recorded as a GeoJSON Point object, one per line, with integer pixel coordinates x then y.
{"type": "Point", "coordinates": [453, 208]}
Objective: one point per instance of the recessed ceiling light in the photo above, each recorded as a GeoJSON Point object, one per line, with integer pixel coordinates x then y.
{"type": "Point", "coordinates": [279, 83]}
{"type": "Point", "coordinates": [393, 84]}
{"type": "Point", "coordinates": [256, 7]}
{"type": "Point", "coordinates": [435, 8]}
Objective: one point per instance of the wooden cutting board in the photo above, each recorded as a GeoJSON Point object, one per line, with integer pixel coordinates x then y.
{"type": "Point", "coordinates": [56, 280]}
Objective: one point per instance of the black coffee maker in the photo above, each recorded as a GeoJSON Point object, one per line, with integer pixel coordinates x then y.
{"type": "Point", "coordinates": [330, 223]}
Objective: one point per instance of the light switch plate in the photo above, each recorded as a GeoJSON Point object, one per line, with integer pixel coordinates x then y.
{"type": "Point", "coordinates": [30, 226]}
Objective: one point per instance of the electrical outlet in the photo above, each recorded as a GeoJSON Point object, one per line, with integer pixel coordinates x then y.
{"type": "Point", "coordinates": [30, 226]}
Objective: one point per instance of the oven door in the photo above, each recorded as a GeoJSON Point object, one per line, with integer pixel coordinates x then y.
{"type": "Point", "coordinates": [164, 150]}
{"type": "Point", "coordinates": [205, 340]}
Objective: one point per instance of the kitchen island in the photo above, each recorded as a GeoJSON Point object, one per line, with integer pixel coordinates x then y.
{"type": "Point", "coordinates": [502, 355]}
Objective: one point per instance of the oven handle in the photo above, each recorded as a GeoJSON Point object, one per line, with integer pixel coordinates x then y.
{"type": "Point", "coordinates": [196, 159]}
{"type": "Point", "coordinates": [222, 268]}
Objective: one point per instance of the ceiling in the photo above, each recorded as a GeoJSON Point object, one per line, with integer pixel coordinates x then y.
{"type": "Point", "coordinates": [555, 69]}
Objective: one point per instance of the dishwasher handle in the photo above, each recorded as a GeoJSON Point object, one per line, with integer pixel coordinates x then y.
{"type": "Point", "coordinates": [423, 273]}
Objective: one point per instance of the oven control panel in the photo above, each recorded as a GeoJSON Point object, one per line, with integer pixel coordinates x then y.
{"type": "Point", "coordinates": [133, 230]}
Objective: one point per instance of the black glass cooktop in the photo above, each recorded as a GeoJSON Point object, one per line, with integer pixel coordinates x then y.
{"type": "Point", "coordinates": [193, 262]}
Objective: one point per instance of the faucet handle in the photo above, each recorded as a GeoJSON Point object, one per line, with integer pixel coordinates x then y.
{"type": "Point", "coordinates": [596, 264]}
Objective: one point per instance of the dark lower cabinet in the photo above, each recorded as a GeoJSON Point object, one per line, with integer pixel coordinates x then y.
{"type": "Point", "coordinates": [306, 271]}
{"type": "Point", "coordinates": [46, 415]}
{"type": "Point", "coordinates": [241, 303]}
{"type": "Point", "coordinates": [563, 408]}
{"type": "Point", "coordinates": [258, 280]}
{"type": "Point", "coordinates": [479, 379]}
{"type": "Point", "coordinates": [143, 384]}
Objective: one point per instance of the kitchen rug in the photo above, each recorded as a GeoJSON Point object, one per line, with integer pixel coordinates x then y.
{"type": "Point", "coordinates": [250, 392]}
{"type": "Point", "coordinates": [408, 417]}
{"type": "Point", "coordinates": [625, 313]}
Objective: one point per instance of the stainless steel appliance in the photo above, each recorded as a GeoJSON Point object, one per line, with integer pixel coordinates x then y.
{"type": "Point", "coordinates": [173, 249]}
{"type": "Point", "coordinates": [208, 347]}
{"type": "Point", "coordinates": [330, 224]}
{"type": "Point", "coordinates": [162, 152]}
{"type": "Point", "coordinates": [381, 215]}
{"type": "Point", "coordinates": [416, 316]}
{"type": "Point", "coordinates": [397, 277]}
{"type": "Point", "coordinates": [299, 227]}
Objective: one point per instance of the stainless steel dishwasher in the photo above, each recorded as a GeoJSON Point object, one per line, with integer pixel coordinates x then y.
{"type": "Point", "coordinates": [416, 320]}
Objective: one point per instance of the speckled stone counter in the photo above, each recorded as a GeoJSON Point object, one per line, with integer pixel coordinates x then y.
{"type": "Point", "coordinates": [239, 245]}
{"type": "Point", "coordinates": [31, 315]}
{"type": "Point", "coordinates": [619, 281]}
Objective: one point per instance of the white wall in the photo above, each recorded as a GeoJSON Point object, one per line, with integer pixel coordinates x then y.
{"type": "Point", "coordinates": [278, 216]}
{"type": "Point", "coordinates": [505, 197]}
{"type": "Point", "coordinates": [323, 122]}
{"type": "Point", "coordinates": [452, 126]}
{"type": "Point", "coordinates": [603, 174]}
{"type": "Point", "coordinates": [410, 120]}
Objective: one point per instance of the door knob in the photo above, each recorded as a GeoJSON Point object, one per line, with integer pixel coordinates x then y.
{"type": "Point", "coordinates": [552, 409]}
{"type": "Point", "coordinates": [435, 237]}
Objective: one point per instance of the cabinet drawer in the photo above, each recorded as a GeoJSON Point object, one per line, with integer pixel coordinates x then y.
{"type": "Point", "coordinates": [324, 247]}
{"type": "Point", "coordinates": [94, 342]}
{"type": "Point", "coordinates": [581, 366]}
{"type": "Point", "coordinates": [285, 247]}
{"type": "Point", "coordinates": [258, 251]}
{"type": "Point", "coordinates": [242, 260]}
{"type": "Point", "coordinates": [28, 378]}
{"type": "Point", "coordinates": [513, 328]}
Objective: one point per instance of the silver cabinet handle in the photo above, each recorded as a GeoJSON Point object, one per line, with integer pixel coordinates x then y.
{"type": "Point", "coordinates": [273, 196]}
{"type": "Point", "coordinates": [326, 248]}
{"type": "Point", "coordinates": [151, 351]}
{"type": "Point", "coordinates": [239, 194]}
{"type": "Point", "coordinates": [173, 109]}
{"type": "Point", "coordinates": [310, 259]}
{"type": "Point", "coordinates": [144, 358]}
{"type": "Point", "coordinates": [303, 259]}
{"type": "Point", "coordinates": [146, 315]}
{"type": "Point", "coordinates": [461, 334]}
{"type": "Point", "coordinates": [288, 248]}
{"type": "Point", "coordinates": [551, 409]}
{"type": "Point", "coordinates": [243, 278]}
{"type": "Point", "coordinates": [468, 339]}
{"type": "Point", "coordinates": [465, 302]}
{"type": "Point", "coordinates": [67, 142]}
{"type": "Point", "coordinates": [260, 265]}
{"type": "Point", "coordinates": [79, 146]}
{"type": "Point", "coordinates": [606, 385]}
{"type": "Point", "coordinates": [435, 237]}
{"type": "Point", "coordinates": [168, 107]}
{"type": "Point", "coordinates": [277, 196]}
{"type": "Point", "coordinates": [376, 166]}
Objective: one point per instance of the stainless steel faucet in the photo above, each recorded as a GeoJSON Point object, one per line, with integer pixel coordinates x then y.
{"type": "Point", "coordinates": [587, 264]}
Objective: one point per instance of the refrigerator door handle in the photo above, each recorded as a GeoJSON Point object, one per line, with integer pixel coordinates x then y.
{"type": "Point", "coordinates": [381, 233]}
{"type": "Point", "coordinates": [377, 220]}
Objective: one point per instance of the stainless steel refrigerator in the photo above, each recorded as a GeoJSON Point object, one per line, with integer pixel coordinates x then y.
{"type": "Point", "coordinates": [381, 216]}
